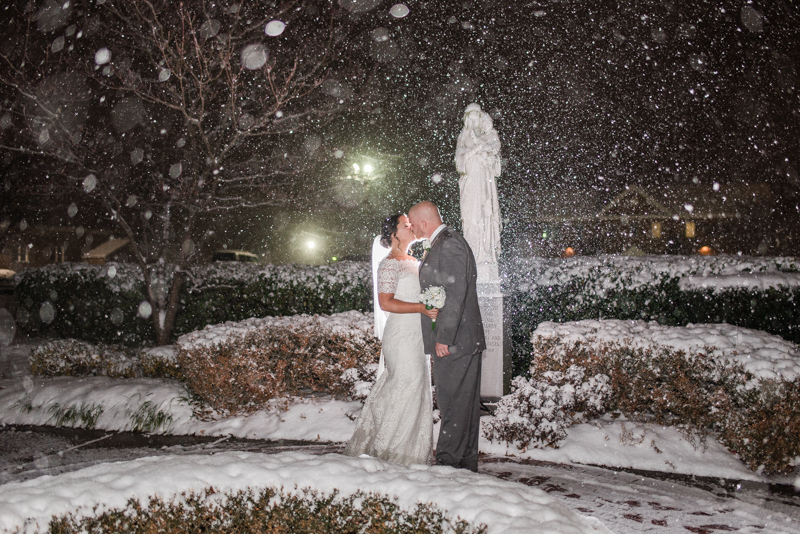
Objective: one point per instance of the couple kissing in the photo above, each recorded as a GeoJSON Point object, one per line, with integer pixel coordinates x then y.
{"type": "Point", "coordinates": [430, 308]}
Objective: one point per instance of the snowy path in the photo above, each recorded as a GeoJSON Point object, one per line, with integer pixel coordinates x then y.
{"type": "Point", "coordinates": [624, 502]}
{"type": "Point", "coordinates": [630, 503]}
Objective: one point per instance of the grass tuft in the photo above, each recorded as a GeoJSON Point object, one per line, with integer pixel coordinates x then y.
{"type": "Point", "coordinates": [81, 415]}
{"type": "Point", "coordinates": [149, 419]}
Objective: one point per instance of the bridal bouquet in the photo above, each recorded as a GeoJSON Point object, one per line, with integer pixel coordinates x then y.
{"type": "Point", "coordinates": [433, 297]}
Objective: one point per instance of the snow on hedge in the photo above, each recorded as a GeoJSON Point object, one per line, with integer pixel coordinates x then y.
{"type": "Point", "coordinates": [764, 355]}
{"type": "Point", "coordinates": [344, 273]}
{"type": "Point", "coordinates": [504, 506]}
{"type": "Point", "coordinates": [719, 272]}
{"type": "Point", "coordinates": [128, 276]}
{"type": "Point", "coordinates": [693, 272]}
{"type": "Point", "coordinates": [352, 324]}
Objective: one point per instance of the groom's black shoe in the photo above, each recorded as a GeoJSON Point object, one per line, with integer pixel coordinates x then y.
{"type": "Point", "coordinates": [470, 464]}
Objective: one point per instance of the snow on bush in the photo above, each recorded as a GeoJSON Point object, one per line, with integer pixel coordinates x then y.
{"type": "Point", "coordinates": [304, 511]}
{"type": "Point", "coordinates": [72, 357]}
{"type": "Point", "coordinates": [538, 411]}
{"type": "Point", "coordinates": [238, 368]}
{"type": "Point", "coordinates": [611, 271]}
{"type": "Point", "coordinates": [757, 293]}
{"type": "Point", "coordinates": [760, 353]}
{"type": "Point", "coordinates": [693, 378]}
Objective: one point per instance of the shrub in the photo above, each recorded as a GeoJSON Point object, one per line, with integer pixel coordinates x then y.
{"type": "Point", "coordinates": [227, 291]}
{"type": "Point", "coordinates": [100, 303]}
{"type": "Point", "coordinates": [539, 411]}
{"type": "Point", "coordinates": [71, 357]}
{"type": "Point", "coordinates": [160, 362]}
{"type": "Point", "coordinates": [267, 510]}
{"type": "Point", "coordinates": [250, 363]}
{"type": "Point", "coordinates": [88, 302]}
{"type": "Point", "coordinates": [757, 293]}
{"type": "Point", "coordinates": [756, 418]}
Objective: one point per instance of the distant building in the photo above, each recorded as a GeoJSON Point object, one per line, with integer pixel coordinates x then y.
{"type": "Point", "coordinates": [36, 245]}
{"type": "Point", "coordinates": [694, 219]}
{"type": "Point", "coordinates": [111, 250]}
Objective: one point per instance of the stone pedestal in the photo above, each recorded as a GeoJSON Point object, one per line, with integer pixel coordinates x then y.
{"type": "Point", "coordinates": [496, 364]}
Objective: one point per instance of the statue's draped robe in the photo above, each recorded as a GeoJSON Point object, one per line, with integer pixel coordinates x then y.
{"type": "Point", "coordinates": [478, 161]}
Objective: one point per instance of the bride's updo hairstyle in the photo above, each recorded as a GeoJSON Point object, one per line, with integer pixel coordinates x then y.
{"type": "Point", "coordinates": [389, 228]}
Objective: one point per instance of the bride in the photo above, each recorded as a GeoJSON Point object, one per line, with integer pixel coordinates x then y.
{"type": "Point", "coordinates": [396, 422]}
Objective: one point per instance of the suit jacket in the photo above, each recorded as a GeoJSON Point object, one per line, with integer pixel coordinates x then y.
{"type": "Point", "coordinates": [450, 264]}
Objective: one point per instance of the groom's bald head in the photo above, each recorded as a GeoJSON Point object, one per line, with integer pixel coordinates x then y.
{"type": "Point", "coordinates": [424, 218]}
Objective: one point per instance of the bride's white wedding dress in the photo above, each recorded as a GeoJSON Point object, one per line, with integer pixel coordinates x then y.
{"type": "Point", "coordinates": [396, 423]}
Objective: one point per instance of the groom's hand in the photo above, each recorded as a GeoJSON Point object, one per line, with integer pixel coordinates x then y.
{"type": "Point", "coordinates": [442, 350]}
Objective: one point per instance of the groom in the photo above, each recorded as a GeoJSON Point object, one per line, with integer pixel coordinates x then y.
{"type": "Point", "coordinates": [458, 340]}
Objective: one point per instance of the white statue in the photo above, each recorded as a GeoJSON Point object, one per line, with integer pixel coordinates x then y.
{"type": "Point", "coordinates": [478, 161]}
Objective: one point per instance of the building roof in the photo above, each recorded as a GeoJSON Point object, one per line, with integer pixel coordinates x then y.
{"type": "Point", "coordinates": [107, 248]}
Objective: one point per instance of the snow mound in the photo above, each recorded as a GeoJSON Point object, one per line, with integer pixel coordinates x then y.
{"type": "Point", "coordinates": [763, 354]}
{"type": "Point", "coordinates": [504, 506]}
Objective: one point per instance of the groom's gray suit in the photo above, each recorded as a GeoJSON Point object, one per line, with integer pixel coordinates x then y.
{"type": "Point", "coordinates": [450, 264]}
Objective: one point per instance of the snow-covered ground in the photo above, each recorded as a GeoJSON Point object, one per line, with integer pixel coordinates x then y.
{"type": "Point", "coordinates": [605, 441]}
{"type": "Point", "coordinates": [122, 404]}
{"type": "Point", "coordinates": [503, 506]}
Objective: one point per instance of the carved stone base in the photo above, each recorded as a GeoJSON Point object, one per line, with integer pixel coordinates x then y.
{"type": "Point", "coordinates": [496, 363]}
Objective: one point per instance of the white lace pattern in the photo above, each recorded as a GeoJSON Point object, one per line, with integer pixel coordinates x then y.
{"type": "Point", "coordinates": [396, 423]}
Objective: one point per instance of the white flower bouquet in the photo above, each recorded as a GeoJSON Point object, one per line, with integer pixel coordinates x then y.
{"type": "Point", "coordinates": [433, 297]}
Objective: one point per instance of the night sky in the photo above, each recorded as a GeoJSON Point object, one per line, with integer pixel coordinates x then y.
{"type": "Point", "coordinates": [586, 96]}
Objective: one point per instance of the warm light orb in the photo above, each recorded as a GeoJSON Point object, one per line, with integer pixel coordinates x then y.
{"type": "Point", "coordinates": [356, 167]}
{"type": "Point", "coordinates": [367, 168]}
{"type": "Point", "coordinates": [311, 244]}
{"type": "Point", "coordinates": [706, 251]}
{"type": "Point", "coordinates": [568, 252]}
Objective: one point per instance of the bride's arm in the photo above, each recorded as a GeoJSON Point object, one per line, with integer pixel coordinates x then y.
{"type": "Point", "coordinates": [390, 304]}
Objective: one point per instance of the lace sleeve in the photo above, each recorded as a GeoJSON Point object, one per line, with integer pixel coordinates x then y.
{"type": "Point", "coordinates": [388, 273]}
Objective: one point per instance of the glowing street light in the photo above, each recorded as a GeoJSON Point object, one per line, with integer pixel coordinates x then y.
{"type": "Point", "coordinates": [356, 167]}
{"type": "Point", "coordinates": [311, 245]}
{"type": "Point", "coordinates": [367, 168]}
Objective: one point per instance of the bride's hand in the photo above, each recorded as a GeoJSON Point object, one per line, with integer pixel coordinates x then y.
{"type": "Point", "coordinates": [432, 313]}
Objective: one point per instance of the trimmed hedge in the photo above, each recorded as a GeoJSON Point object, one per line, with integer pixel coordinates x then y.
{"type": "Point", "coordinates": [85, 301]}
{"type": "Point", "coordinates": [72, 357]}
{"type": "Point", "coordinates": [239, 373]}
{"type": "Point", "coordinates": [267, 510]}
{"type": "Point", "coordinates": [100, 304]}
{"type": "Point", "coordinates": [643, 289]}
{"type": "Point", "coordinates": [756, 418]}
{"type": "Point", "coordinates": [80, 301]}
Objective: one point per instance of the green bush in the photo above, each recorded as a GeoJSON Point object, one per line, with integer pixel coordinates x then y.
{"type": "Point", "coordinates": [100, 303]}
{"type": "Point", "coordinates": [267, 511]}
{"type": "Point", "coordinates": [88, 302]}
{"type": "Point", "coordinates": [223, 292]}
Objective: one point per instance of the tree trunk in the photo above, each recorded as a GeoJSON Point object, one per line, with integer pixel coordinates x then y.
{"type": "Point", "coordinates": [165, 328]}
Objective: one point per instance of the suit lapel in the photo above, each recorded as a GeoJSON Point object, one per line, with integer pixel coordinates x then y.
{"type": "Point", "coordinates": [427, 252]}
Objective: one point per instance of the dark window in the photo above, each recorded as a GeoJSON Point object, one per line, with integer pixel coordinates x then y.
{"type": "Point", "coordinates": [224, 256]}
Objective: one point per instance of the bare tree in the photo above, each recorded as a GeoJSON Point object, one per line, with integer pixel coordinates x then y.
{"type": "Point", "coordinates": [165, 113]}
